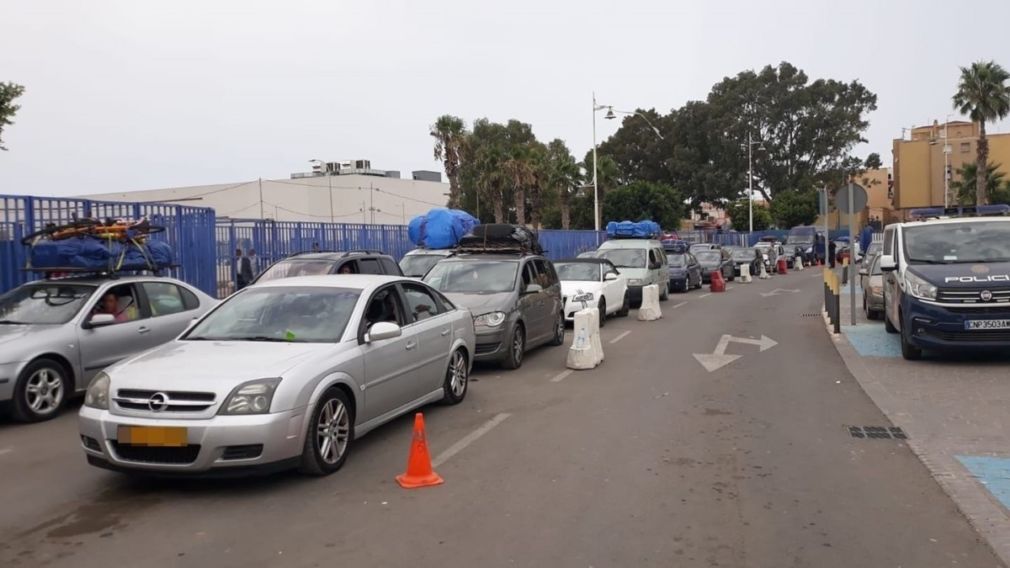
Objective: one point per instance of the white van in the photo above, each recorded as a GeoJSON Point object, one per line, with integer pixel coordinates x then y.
{"type": "Point", "coordinates": [642, 262]}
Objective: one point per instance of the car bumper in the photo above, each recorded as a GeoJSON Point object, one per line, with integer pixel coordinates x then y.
{"type": "Point", "coordinates": [943, 328]}
{"type": "Point", "coordinates": [280, 435]}
{"type": "Point", "coordinates": [678, 281]}
{"type": "Point", "coordinates": [490, 343]}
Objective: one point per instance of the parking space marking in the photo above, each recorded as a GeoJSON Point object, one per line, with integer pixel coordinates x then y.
{"type": "Point", "coordinates": [705, 295]}
{"type": "Point", "coordinates": [623, 334]}
{"type": "Point", "coordinates": [468, 439]}
{"type": "Point", "coordinates": [561, 376]}
{"type": "Point", "coordinates": [675, 306]}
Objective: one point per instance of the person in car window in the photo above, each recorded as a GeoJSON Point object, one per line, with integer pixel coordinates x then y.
{"type": "Point", "coordinates": [110, 305]}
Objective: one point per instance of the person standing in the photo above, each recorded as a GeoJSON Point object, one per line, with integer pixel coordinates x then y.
{"type": "Point", "coordinates": [831, 254]}
{"type": "Point", "coordinates": [245, 271]}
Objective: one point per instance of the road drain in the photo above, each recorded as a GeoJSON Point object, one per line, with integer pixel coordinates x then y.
{"type": "Point", "coordinates": [877, 432]}
{"type": "Point", "coordinates": [810, 315]}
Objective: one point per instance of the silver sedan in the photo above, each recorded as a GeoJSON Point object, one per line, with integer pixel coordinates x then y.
{"type": "Point", "coordinates": [56, 334]}
{"type": "Point", "coordinates": [287, 373]}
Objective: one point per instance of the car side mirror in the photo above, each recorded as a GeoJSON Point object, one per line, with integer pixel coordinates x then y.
{"type": "Point", "coordinates": [381, 330]}
{"type": "Point", "coordinates": [610, 276]}
{"type": "Point", "coordinates": [99, 320]}
{"type": "Point", "coordinates": [887, 263]}
{"type": "Point", "coordinates": [533, 289]}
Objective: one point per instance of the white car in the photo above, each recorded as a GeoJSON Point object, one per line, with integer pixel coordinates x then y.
{"type": "Point", "coordinates": [592, 282]}
{"type": "Point", "coordinates": [287, 373]}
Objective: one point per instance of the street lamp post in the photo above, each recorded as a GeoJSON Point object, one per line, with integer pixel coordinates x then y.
{"type": "Point", "coordinates": [946, 163]}
{"type": "Point", "coordinates": [750, 180]}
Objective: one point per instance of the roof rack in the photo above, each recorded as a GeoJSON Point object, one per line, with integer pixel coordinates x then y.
{"type": "Point", "coordinates": [500, 239]}
{"type": "Point", "coordinates": [343, 252]}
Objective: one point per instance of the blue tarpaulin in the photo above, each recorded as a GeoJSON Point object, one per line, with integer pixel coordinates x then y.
{"type": "Point", "coordinates": [100, 256]}
{"type": "Point", "coordinates": [440, 228]}
{"type": "Point", "coordinates": [633, 230]}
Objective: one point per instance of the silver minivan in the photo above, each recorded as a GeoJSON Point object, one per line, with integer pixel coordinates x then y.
{"type": "Point", "coordinates": [642, 262]}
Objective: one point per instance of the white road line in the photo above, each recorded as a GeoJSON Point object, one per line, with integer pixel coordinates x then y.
{"type": "Point", "coordinates": [6, 451]}
{"type": "Point", "coordinates": [620, 337]}
{"type": "Point", "coordinates": [561, 376]}
{"type": "Point", "coordinates": [728, 288]}
{"type": "Point", "coordinates": [675, 306]}
{"type": "Point", "coordinates": [705, 295]}
{"type": "Point", "coordinates": [468, 439]}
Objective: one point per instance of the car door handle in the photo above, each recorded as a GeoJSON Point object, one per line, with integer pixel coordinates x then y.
{"type": "Point", "coordinates": [143, 330]}
{"type": "Point", "coordinates": [411, 345]}
{"type": "Point", "coordinates": [445, 332]}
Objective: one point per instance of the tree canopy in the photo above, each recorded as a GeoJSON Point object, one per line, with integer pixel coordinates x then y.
{"type": "Point", "coordinates": [643, 200]}
{"type": "Point", "coordinates": [8, 93]}
{"type": "Point", "coordinates": [983, 95]}
{"type": "Point", "coordinates": [739, 214]}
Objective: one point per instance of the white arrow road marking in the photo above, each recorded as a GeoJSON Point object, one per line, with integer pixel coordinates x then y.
{"type": "Point", "coordinates": [778, 291]}
{"type": "Point", "coordinates": [719, 358]}
{"type": "Point", "coordinates": [468, 439]}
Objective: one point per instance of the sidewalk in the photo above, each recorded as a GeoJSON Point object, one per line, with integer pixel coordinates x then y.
{"type": "Point", "coordinates": [954, 410]}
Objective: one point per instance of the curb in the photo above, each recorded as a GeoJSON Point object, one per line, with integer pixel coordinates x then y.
{"type": "Point", "coordinates": [984, 514]}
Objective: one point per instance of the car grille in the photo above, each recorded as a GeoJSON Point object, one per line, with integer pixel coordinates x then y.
{"type": "Point", "coordinates": [156, 454]}
{"type": "Point", "coordinates": [485, 348]}
{"type": "Point", "coordinates": [973, 295]}
{"type": "Point", "coordinates": [994, 336]}
{"type": "Point", "coordinates": [174, 401]}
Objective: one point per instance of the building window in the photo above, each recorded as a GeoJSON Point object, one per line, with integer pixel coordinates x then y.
{"type": "Point", "coordinates": [965, 147]}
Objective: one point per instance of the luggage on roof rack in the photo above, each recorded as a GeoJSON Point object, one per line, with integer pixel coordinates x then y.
{"type": "Point", "coordinates": [633, 230]}
{"type": "Point", "coordinates": [500, 237]}
{"type": "Point", "coordinates": [440, 228]}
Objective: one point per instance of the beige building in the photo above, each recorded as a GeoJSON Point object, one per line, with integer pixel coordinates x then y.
{"type": "Point", "coordinates": [340, 198]}
{"type": "Point", "coordinates": [920, 161]}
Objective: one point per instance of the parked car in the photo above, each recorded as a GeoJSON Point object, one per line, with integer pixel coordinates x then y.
{"type": "Point", "coordinates": [871, 251]}
{"type": "Point", "coordinates": [749, 256]}
{"type": "Point", "coordinates": [417, 263]}
{"type": "Point", "coordinates": [715, 261]}
{"type": "Point", "coordinates": [284, 374]}
{"type": "Point", "coordinates": [642, 261]}
{"type": "Point", "coordinates": [592, 283]}
{"type": "Point", "coordinates": [871, 281]}
{"type": "Point", "coordinates": [802, 240]}
{"type": "Point", "coordinates": [56, 334]}
{"type": "Point", "coordinates": [515, 299]}
{"type": "Point", "coordinates": [684, 270]}
{"type": "Point", "coordinates": [317, 263]}
{"type": "Point", "coordinates": [698, 247]}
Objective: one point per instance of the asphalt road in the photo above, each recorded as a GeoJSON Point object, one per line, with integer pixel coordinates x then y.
{"type": "Point", "coordinates": [649, 460]}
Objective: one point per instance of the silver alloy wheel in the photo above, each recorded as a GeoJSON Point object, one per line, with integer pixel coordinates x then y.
{"type": "Point", "coordinates": [44, 391]}
{"type": "Point", "coordinates": [333, 431]}
{"type": "Point", "coordinates": [458, 371]}
{"type": "Point", "coordinates": [517, 345]}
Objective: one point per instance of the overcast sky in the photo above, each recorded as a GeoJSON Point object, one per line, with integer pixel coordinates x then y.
{"type": "Point", "coordinates": [125, 95]}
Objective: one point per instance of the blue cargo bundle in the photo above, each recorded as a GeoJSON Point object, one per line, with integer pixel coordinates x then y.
{"type": "Point", "coordinates": [440, 228]}
{"type": "Point", "coordinates": [86, 254]}
{"type": "Point", "coordinates": [633, 230]}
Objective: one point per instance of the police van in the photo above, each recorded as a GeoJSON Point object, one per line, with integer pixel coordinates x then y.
{"type": "Point", "coordinates": [947, 280]}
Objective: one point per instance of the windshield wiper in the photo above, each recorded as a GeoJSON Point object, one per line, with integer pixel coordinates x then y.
{"type": "Point", "coordinates": [261, 338]}
{"type": "Point", "coordinates": [927, 261]}
{"type": "Point", "coordinates": [11, 322]}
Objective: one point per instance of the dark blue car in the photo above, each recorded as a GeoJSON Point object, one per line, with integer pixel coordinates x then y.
{"type": "Point", "coordinates": [685, 272]}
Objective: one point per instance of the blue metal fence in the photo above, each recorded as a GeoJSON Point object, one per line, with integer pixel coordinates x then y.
{"type": "Point", "coordinates": [190, 231]}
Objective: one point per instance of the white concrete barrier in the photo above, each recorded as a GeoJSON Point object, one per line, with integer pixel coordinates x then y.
{"type": "Point", "coordinates": [764, 272]}
{"type": "Point", "coordinates": [797, 263]}
{"type": "Point", "coordinates": [650, 304]}
{"type": "Point", "coordinates": [586, 351]}
{"type": "Point", "coordinates": [745, 273]}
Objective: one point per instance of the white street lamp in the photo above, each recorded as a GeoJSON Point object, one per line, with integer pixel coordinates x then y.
{"type": "Point", "coordinates": [750, 179]}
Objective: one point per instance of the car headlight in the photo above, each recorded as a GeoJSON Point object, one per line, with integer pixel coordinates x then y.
{"type": "Point", "coordinates": [253, 397]}
{"type": "Point", "coordinates": [490, 319]}
{"type": "Point", "coordinates": [634, 282]}
{"type": "Point", "coordinates": [97, 395]}
{"type": "Point", "coordinates": [583, 297]}
{"type": "Point", "coordinates": [919, 288]}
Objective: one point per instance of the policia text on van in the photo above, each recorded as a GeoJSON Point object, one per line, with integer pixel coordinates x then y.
{"type": "Point", "coordinates": [947, 283]}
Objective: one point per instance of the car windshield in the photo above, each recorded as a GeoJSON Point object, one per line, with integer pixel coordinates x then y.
{"type": "Point", "coordinates": [473, 276]}
{"type": "Point", "coordinates": [743, 254]}
{"type": "Point", "coordinates": [708, 256]}
{"type": "Point", "coordinates": [804, 238]}
{"type": "Point", "coordinates": [43, 304]}
{"type": "Point", "coordinates": [585, 271]}
{"type": "Point", "coordinates": [950, 243]}
{"type": "Point", "coordinates": [624, 258]}
{"type": "Point", "coordinates": [292, 267]}
{"type": "Point", "coordinates": [283, 314]}
{"type": "Point", "coordinates": [676, 260]}
{"type": "Point", "coordinates": [417, 265]}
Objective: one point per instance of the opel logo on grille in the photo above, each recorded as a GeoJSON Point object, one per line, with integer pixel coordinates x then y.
{"type": "Point", "coordinates": [158, 402]}
{"type": "Point", "coordinates": [986, 296]}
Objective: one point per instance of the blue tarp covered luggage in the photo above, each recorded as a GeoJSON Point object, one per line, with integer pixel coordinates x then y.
{"type": "Point", "coordinates": [633, 230]}
{"type": "Point", "coordinates": [440, 228]}
{"type": "Point", "coordinates": [88, 254]}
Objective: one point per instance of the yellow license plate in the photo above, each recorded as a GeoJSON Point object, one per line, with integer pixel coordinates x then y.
{"type": "Point", "coordinates": [163, 436]}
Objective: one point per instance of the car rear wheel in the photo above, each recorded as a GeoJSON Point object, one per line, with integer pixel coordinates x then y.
{"type": "Point", "coordinates": [516, 348]}
{"type": "Point", "coordinates": [330, 434]}
{"type": "Point", "coordinates": [40, 391]}
{"type": "Point", "coordinates": [457, 378]}
{"type": "Point", "coordinates": [602, 306]}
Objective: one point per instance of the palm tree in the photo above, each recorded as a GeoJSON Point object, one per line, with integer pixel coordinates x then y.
{"type": "Point", "coordinates": [966, 188]}
{"type": "Point", "coordinates": [450, 133]}
{"type": "Point", "coordinates": [520, 170]}
{"type": "Point", "coordinates": [983, 95]}
{"type": "Point", "coordinates": [562, 177]}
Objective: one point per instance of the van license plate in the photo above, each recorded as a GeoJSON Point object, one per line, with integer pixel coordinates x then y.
{"type": "Point", "coordinates": [986, 324]}
{"type": "Point", "coordinates": [152, 436]}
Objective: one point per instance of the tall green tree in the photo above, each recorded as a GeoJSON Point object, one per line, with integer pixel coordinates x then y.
{"type": "Point", "coordinates": [873, 162]}
{"type": "Point", "coordinates": [520, 165]}
{"type": "Point", "coordinates": [8, 93]}
{"type": "Point", "coordinates": [966, 186]}
{"type": "Point", "coordinates": [450, 134]}
{"type": "Point", "coordinates": [482, 168]}
{"type": "Point", "coordinates": [793, 208]}
{"type": "Point", "coordinates": [983, 95]}
{"type": "Point", "coordinates": [563, 177]}
{"type": "Point", "coordinates": [645, 200]}
{"type": "Point", "coordinates": [739, 215]}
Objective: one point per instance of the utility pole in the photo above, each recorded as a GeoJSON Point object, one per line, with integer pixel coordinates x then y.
{"type": "Point", "coordinates": [750, 182]}
{"type": "Point", "coordinates": [596, 188]}
{"type": "Point", "coordinates": [329, 185]}
{"type": "Point", "coordinates": [946, 164]}
{"type": "Point", "coordinates": [371, 202]}
{"type": "Point", "coordinates": [261, 198]}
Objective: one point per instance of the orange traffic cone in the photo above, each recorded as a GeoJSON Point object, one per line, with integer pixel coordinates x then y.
{"type": "Point", "coordinates": [419, 472]}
